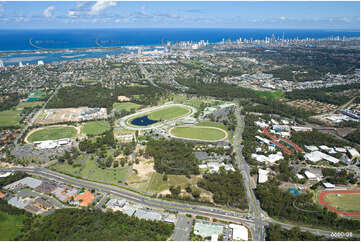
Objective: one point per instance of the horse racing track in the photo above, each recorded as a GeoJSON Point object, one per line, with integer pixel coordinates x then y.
{"type": "Point", "coordinates": [343, 202]}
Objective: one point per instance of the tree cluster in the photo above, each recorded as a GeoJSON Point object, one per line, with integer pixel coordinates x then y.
{"type": "Point", "coordinates": [227, 188]}
{"type": "Point", "coordinates": [173, 157]}
{"type": "Point", "coordinates": [85, 224]}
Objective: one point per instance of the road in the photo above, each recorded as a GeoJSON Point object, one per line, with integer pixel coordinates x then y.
{"type": "Point", "coordinates": [36, 116]}
{"type": "Point", "coordinates": [123, 120]}
{"type": "Point", "coordinates": [147, 75]}
{"type": "Point", "coordinates": [182, 229]}
{"type": "Point", "coordinates": [254, 205]}
{"type": "Point", "coordinates": [162, 204]}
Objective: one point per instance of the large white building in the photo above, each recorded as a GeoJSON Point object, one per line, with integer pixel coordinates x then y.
{"type": "Point", "coordinates": [240, 232]}
{"type": "Point", "coordinates": [316, 156]}
{"type": "Point", "coordinates": [262, 175]}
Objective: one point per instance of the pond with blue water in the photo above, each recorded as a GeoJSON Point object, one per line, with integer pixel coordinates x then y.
{"type": "Point", "coordinates": [143, 121]}
{"type": "Point", "coordinates": [294, 191]}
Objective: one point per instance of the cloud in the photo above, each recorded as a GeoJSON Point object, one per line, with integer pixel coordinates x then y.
{"type": "Point", "coordinates": [100, 6]}
{"type": "Point", "coordinates": [48, 12]}
{"type": "Point", "coordinates": [283, 18]}
{"type": "Point", "coordinates": [21, 19]}
{"type": "Point", "coordinates": [72, 13]}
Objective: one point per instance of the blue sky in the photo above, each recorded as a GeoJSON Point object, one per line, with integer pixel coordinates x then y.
{"type": "Point", "coordinates": [111, 14]}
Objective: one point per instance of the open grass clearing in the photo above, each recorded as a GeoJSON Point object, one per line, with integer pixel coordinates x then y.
{"type": "Point", "coordinates": [126, 106]}
{"type": "Point", "coordinates": [9, 118]}
{"type": "Point", "coordinates": [95, 127]}
{"type": "Point", "coordinates": [90, 171]}
{"type": "Point", "coordinates": [168, 113]}
{"type": "Point", "coordinates": [271, 94]}
{"type": "Point", "coordinates": [10, 226]}
{"type": "Point", "coordinates": [345, 202]}
{"type": "Point", "coordinates": [52, 133]}
{"type": "Point", "coordinates": [29, 104]}
{"type": "Point", "coordinates": [199, 133]}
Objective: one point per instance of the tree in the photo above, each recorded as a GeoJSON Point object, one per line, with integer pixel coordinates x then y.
{"type": "Point", "coordinates": [175, 190]}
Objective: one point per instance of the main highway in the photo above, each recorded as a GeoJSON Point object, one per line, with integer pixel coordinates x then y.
{"type": "Point", "coordinates": [160, 204]}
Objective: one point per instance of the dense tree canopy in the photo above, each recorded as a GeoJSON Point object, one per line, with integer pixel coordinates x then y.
{"type": "Point", "coordinates": [316, 138]}
{"type": "Point", "coordinates": [86, 224]}
{"type": "Point", "coordinates": [227, 188]}
{"type": "Point", "coordinates": [173, 157]}
{"type": "Point", "coordinates": [9, 102]}
{"type": "Point", "coordinates": [327, 95]}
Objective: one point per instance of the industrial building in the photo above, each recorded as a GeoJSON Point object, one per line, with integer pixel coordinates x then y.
{"type": "Point", "coordinates": [207, 229]}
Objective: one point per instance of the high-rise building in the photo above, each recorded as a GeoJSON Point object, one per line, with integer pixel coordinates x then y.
{"type": "Point", "coordinates": [20, 64]}
{"type": "Point", "coordinates": [1, 64]}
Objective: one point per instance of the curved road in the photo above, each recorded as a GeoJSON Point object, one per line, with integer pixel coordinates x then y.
{"type": "Point", "coordinates": [160, 204]}
{"type": "Point", "coordinates": [193, 126]}
{"type": "Point", "coordinates": [123, 120]}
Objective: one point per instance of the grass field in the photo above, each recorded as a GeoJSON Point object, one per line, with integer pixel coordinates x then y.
{"type": "Point", "coordinates": [155, 184]}
{"type": "Point", "coordinates": [95, 127]}
{"type": "Point", "coordinates": [10, 226]}
{"type": "Point", "coordinates": [201, 133]}
{"type": "Point", "coordinates": [29, 104]}
{"type": "Point", "coordinates": [345, 202]}
{"type": "Point", "coordinates": [90, 171]}
{"type": "Point", "coordinates": [271, 94]}
{"type": "Point", "coordinates": [9, 118]}
{"type": "Point", "coordinates": [126, 106]}
{"type": "Point", "coordinates": [52, 133]}
{"type": "Point", "coordinates": [168, 113]}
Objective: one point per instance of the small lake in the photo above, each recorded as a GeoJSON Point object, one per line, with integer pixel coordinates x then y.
{"type": "Point", "coordinates": [143, 121]}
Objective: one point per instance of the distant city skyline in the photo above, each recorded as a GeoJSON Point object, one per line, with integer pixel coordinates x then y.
{"type": "Point", "coordinates": [113, 14]}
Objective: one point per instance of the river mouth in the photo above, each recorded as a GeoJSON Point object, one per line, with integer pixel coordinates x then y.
{"type": "Point", "coordinates": [143, 121]}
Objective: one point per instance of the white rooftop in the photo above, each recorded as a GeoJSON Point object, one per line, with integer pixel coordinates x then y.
{"type": "Point", "coordinates": [316, 156]}
{"type": "Point", "coordinates": [262, 176]}
{"type": "Point", "coordinates": [240, 232]}
{"type": "Point", "coordinates": [310, 175]}
{"type": "Point", "coordinates": [328, 185]}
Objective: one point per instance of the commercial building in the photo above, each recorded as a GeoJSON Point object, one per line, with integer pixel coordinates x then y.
{"type": "Point", "coordinates": [272, 158]}
{"type": "Point", "coordinates": [310, 175]}
{"type": "Point", "coordinates": [316, 156]}
{"type": "Point", "coordinates": [149, 215]}
{"type": "Point", "coordinates": [116, 204]}
{"type": "Point", "coordinates": [262, 175]}
{"type": "Point", "coordinates": [328, 185]}
{"type": "Point", "coordinates": [239, 232]}
{"type": "Point", "coordinates": [86, 198]}
{"type": "Point", "coordinates": [354, 154]}
{"type": "Point", "coordinates": [25, 182]}
{"type": "Point", "coordinates": [301, 129]}
{"type": "Point", "coordinates": [5, 174]}
{"type": "Point", "coordinates": [207, 229]}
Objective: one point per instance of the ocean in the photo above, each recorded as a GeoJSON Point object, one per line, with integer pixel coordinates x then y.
{"type": "Point", "coordinates": [32, 40]}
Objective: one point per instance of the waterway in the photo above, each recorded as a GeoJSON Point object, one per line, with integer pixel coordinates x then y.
{"type": "Point", "coordinates": [143, 121]}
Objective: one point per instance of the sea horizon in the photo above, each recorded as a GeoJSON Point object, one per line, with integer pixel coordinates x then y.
{"type": "Point", "coordinates": [25, 45]}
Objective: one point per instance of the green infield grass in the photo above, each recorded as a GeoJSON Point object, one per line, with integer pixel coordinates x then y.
{"type": "Point", "coordinates": [168, 113]}
{"type": "Point", "coordinates": [126, 106]}
{"type": "Point", "coordinates": [10, 226]}
{"type": "Point", "coordinates": [200, 133]}
{"type": "Point", "coordinates": [9, 118]}
{"type": "Point", "coordinates": [53, 133]}
{"type": "Point", "coordinates": [95, 127]}
{"type": "Point", "coordinates": [346, 202]}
